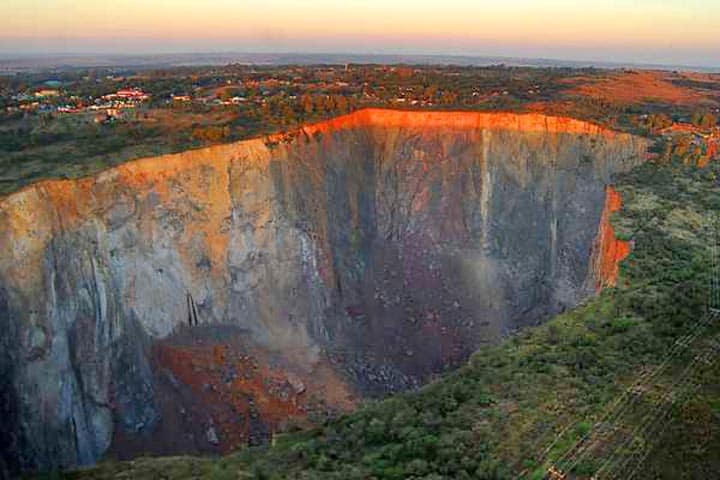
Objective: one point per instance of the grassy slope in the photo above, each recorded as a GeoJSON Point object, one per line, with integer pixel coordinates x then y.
{"type": "Point", "coordinates": [494, 417]}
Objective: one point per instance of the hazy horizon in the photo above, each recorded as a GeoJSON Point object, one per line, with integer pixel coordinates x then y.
{"type": "Point", "coordinates": [44, 60]}
{"type": "Point", "coordinates": [670, 32]}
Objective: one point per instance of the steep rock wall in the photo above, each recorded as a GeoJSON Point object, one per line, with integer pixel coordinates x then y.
{"type": "Point", "coordinates": [376, 248]}
{"type": "Point", "coordinates": [608, 251]}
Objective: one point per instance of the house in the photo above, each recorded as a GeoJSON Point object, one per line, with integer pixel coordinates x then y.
{"type": "Point", "coordinates": [132, 94]}
{"type": "Point", "coordinates": [47, 92]}
{"type": "Point", "coordinates": [30, 106]}
{"type": "Point", "coordinates": [68, 109]}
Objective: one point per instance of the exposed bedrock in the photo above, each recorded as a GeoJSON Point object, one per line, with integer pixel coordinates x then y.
{"type": "Point", "coordinates": [197, 301]}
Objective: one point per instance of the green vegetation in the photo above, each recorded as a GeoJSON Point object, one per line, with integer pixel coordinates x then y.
{"type": "Point", "coordinates": [678, 149]}
{"type": "Point", "coordinates": [494, 417]}
{"type": "Point", "coordinates": [33, 149]}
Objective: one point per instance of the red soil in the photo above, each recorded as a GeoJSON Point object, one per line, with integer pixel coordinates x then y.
{"type": "Point", "coordinates": [609, 251]}
{"type": "Point", "coordinates": [638, 87]}
{"type": "Point", "coordinates": [240, 388]}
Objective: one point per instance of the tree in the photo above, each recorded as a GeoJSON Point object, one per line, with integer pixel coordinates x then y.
{"type": "Point", "coordinates": [341, 104]}
{"type": "Point", "coordinates": [212, 133]}
{"type": "Point", "coordinates": [306, 102]}
{"type": "Point", "coordinates": [658, 121]}
{"type": "Point", "coordinates": [430, 92]}
{"type": "Point", "coordinates": [704, 119]}
{"type": "Point", "coordinates": [228, 93]}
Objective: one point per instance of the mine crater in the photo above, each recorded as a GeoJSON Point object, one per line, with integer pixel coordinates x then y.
{"type": "Point", "coordinates": [218, 295]}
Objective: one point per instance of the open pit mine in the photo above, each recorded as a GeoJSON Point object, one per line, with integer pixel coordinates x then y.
{"type": "Point", "coordinates": [201, 301]}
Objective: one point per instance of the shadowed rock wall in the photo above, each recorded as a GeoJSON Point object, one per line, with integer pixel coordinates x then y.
{"type": "Point", "coordinates": [353, 257]}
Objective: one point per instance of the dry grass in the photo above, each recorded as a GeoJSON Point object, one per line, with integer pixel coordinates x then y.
{"type": "Point", "coordinates": [638, 87]}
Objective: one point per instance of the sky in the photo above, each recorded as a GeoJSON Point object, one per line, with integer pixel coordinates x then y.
{"type": "Point", "coordinates": [680, 32]}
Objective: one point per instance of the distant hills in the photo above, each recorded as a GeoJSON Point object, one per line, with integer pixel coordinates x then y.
{"type": "Point", "coordinates": [11, 63]}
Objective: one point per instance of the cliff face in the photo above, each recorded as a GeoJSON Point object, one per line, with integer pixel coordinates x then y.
{"type": "Point", "coordinates": [608, 251]}
{"type": "Point", "coordinates": [199, 300]}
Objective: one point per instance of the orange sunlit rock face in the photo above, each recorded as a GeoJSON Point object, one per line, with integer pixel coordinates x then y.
{"type": "Point", "coordinates": [609, 250]}
{"type": "Point", "coordinates": [530, 122]}
{"type": "Point", "coordinates": [712, 151]}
